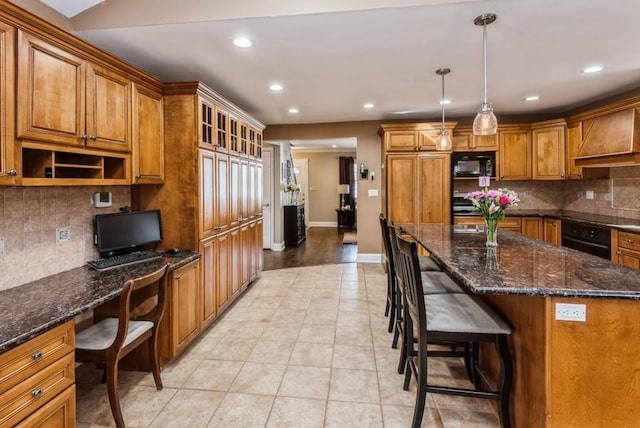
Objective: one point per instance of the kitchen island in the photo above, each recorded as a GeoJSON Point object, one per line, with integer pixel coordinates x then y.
{"type": "Point", "coordinates": [567, 373]}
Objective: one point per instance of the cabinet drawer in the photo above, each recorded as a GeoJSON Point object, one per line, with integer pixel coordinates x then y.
{"type": "Point", "coordinates": [58, 412]}
{"type": "Point", "coordinates": [39, 353]}
{"type": "Point", "coordinates": [510, 223]}
{"type": "Point", "coordinates": [629, 240]}
{"type": "Point", "coordinates": [29, 395]}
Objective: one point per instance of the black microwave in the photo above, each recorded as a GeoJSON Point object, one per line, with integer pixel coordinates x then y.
{"type": "Point", "coordinates": [474, 164]}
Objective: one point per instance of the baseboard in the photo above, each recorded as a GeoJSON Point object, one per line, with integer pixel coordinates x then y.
{"type": "Point", "coordinates": [369, 258]}
{"type": "Point", "coordinates": [277, 246]}
{"type": "Point", "coordinates": [323, 224]}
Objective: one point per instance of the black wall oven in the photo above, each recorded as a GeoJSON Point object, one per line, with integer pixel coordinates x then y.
{"type": "Point", "coordinates": [586, 238]}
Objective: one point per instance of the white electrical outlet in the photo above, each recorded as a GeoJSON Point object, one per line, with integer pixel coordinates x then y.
{"type": "Point", "coordinates": [589, 194]}
{"type": "Point", "coordinates": [571, 312]}
{"type": "Point", "coordinates": [63, 234]}
{"type": "Point", "coordinates": [1, 246]}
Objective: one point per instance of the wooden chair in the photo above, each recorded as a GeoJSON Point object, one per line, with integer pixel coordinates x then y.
{"type": "Point", "coordinates": [449, 318]}
{"type": "Point", "coordinates": [111, 339]}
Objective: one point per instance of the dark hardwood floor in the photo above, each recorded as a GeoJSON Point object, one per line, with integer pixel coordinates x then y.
{"type": "Point", "coordinates": [322, 246]}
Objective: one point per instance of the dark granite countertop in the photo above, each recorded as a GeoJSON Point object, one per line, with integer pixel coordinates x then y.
{"type": "Point", "coordinates": [33, 308]}
{"type": "Point", "coordinates": [621, 223]}
{"type": "Point", "coordinates": [524, 265]}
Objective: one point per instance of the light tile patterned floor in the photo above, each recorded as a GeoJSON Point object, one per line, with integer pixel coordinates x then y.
{"type": "Point", "coordinates": [304, 347]}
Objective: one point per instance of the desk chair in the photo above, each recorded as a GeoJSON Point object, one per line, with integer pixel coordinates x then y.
{"type": "Point", "coordinates": [111, 339]}
{"type": "Point", "coordinates": [449, 318]}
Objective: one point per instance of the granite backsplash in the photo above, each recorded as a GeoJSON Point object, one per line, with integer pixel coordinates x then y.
{"type": "Point", "coordinates": [29, 217]}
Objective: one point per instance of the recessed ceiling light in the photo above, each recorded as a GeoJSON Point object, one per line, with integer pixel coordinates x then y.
{"type": "Point", "coordinates": [334, 146]}
{"type": "Point", "coordinates": [532, 98]}
{"type": "Point", "coordinates": [593, 69]}
{"type": "Point", "coordinates": [294, 110]}
{"type": "Point", "coordinates": [242, 42]}
{"type": "Point", "coordinates": [276, 87]}
{"type": "Point", "coordinates": [368, 105]}
{"type": "Point", "coordinates": [445, 101]}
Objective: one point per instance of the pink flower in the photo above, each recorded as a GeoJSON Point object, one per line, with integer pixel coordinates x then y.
{"type": "Point", "coordinates": [504, 200]}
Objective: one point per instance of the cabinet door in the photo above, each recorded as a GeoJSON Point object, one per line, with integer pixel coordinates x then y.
{"type": "Point", "coordinates": [60, 412]}
{"type": "Point", "coordinates": [245, 245]}
{"type": "Point", "coordinates": [51, 93]}
{"type": "Point", "coordinates": [434, 181]}
{"type": "Point", "coordinates": [485, 142]}
{"type": "Point", "coordinates": [222, 126]}
{"type": "Point", "coordinates": [532, 227]}
{"type": "Point", "coordinates": [207, 193]}
{"type": "Point", "coordinates": [514, 156]}
{"type": "Point", "coordinates": [401, 141]}
{"type": "Point", "coordinates": [147, 136]}
{"type": "Point", "coordinates": [552, 231]}
{"type": "Point", "coordinates": [222, 219]}
{"type": "Point", "coordinates": [185, 304]}
{"type": "Point", "coordinates": [9, 173]}
{"type": "Point", "coordinates": [258, 192]}
{"type": "Point", "coordinates": [548, 153]}
{"type": "Point", "coordinates": [236, 264]}
{"type": "Point", "coordinates": [223, 261]}
{"type": "Point", "coordinates": [107, 110]}
{"type": "Point", "coordinates": [258, 245]}
{"type": "Point", "coordinates": [628, 258]}
{"type": "Point", "coordinates": [244, 190]}
{"type": "Point", "coordinates": [251, 197]}
{"type": "Point", "coordinates": [244, 138]}
{"type": "Point", "coordinates": [461, 140]}
{"type": "Point", "coordinates": [574, 142]}
{"type": "Point", "coordinates": [402, 188]}
{"type": "Point", "coordinates": [234, 192]}
{"type": "Point", "coordinates": [207, 130]}
{"type": "Point", "coordinates": [234, 135]}
{"type": "Point", "coordinates": [253, 254]}
{"type": "Point", "coordinates": [208, 278]}
{"type": "Point", "coordinates": [259, 144]}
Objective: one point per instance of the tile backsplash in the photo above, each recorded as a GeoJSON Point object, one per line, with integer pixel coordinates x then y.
{"type": "Point", "coordinates": [29, 217]}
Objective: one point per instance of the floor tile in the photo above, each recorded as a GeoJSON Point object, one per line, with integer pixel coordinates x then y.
{"type": "Point", "coordinates": [351, 318]}
{"type": "Point", "coordinates": [353, 415]}
{"type": "Point", "coordinates": [189, 409]}
{"type": "Point", "coordinates": [467, 419]}
{"type": "Point", "coordinates": [281, 331]}
{"type": "Point", "coordinates": [354, 335]}
{"type": "Point", "coordinates": [314, 333]}
{"type": "Point", "coordinates": [232, 348]}
{"type": "Point", "coordinates": [353, 357]}
{"type": "Point", "coordinates": [354, 385]}
{"type": "Point", "coordinates": [290, 412]}
{"type": "Point", "coordinates": [257, 378]}
{"type": "Point", "coordinates": [271, 351]}
{"type": "Point", "coordinates": [242, 411]}
{"type": "Point", "coordinates": [214, 375]}
{"type": "Point", "coordinates": [305, 382]}
{"type": "Point", "coordinates": [402, 417]}
{"type": "Point", "coordinates": [312, 354]}
{"type": "Point", "coordinates": [247, 329]}
{"type": "Point", "coordinates": [321, 317]}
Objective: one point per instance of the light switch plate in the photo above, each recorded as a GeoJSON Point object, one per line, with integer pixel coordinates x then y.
{"type": "Point", "coordinates": [589, 194]}
{"type": "Point", "coordinates": [373, 193]}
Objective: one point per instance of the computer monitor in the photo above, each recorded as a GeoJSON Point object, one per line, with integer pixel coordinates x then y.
{"type": "Point", "coordinates": [122, 232]}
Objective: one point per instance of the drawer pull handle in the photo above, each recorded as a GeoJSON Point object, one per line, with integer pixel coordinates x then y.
{"type": "Point", "coordinates": [178, 276]}
{"type": "Point", "coordinates": [630, 241]}
{"type": "Point", "coordinates": [36, 356]}
{"type": "Point", "coordinates": [36, 393]}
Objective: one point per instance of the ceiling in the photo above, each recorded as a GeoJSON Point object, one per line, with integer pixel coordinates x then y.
{"type": "Point", "coordinates": [334, 56]}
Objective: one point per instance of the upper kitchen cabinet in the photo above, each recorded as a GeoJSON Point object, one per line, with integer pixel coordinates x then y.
{"type": "Point", "coordinates": [463, 140]}
{"type": "Point", "coordinates": [9, 173]}
{"type": "Point", "coordinates": [514, 156]}
{"type": "Point", "coordinates": [64, 99]}
{"type": "Point", "coordinates": [412, 137]}
{"type": "Point", "coordinates": [549, 150]}
{"type": "Point", "coordinates": [147, 136]}
{"type": "Point", "coordinates": [574, 142]}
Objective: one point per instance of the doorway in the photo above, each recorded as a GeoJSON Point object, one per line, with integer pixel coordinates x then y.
{"type": "Point", "coordinates": [301, 169]}
{"type": "Point", "coordinates": [267, 197]}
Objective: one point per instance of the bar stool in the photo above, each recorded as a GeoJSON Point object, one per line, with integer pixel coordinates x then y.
{"type": "Point", "coordinates": [449, 318]}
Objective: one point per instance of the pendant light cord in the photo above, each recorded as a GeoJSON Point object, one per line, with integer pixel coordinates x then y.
{"type": "Point", "coordinates": [484, 56]}
{"type": "Point", "coordinates": [442, 101]}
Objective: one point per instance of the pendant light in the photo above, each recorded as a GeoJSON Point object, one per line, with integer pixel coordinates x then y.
{"type": "Point", "coordinates": [443, 141]}
{"type": "Point", "coordinates": [485, 122]}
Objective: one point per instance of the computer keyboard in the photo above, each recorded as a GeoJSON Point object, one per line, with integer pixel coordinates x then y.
{"type": "Point", "coordinates": [124, 259]}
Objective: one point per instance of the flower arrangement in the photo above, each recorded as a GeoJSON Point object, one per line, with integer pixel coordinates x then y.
{"type": "Point", "coordinates": [291, 191]}
{"type": "Point", "coordinates": [493, 205]}
{"type": "Point", "coordinates": [292, 187]}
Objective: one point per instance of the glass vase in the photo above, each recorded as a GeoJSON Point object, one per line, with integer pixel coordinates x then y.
{"type": "Point", "coordinates": [492, 232]}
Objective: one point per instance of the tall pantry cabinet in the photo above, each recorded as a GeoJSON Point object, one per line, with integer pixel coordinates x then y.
{"type": "Point", "coordinates": [211, 199]}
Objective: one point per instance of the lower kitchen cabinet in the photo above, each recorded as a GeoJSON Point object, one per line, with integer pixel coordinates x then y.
{"type": "Point", "coordinates": [532, 227]}
{"type": "Point", "coordinates": [208, 276]}
{"type": "Point", "coordinates": [552, 231]}
{"type": "Point", "coordinates": [60, 412]}
{"type": "Point", "coordinates": [181, 321]}
{"type": "Point", "coordinates": [626, 248]}
{"type": "Point", "coordinates": [222, 260]}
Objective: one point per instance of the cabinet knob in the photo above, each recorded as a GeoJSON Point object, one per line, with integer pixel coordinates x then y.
{"type": "Point", "coordinates": [93, 137]}
{"type": "Point", "coordinates": [36, 393]}
{"type": "Point", "coordinates": [618, 252]}
{"type": "Point", "coordinates": [630, 241]}
{"type": "Point", "coordinates": [84, 137]}
{"type": "Point", "coordinates": [178, 276]}
{"type": "Point", "coordinates": [12, 172]}
{"type": "Point", "coordinates": [36, 356]}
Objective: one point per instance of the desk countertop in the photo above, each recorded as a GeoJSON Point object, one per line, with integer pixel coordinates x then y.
{"type": "Point", "coordinates": [525, 266]}
{"type": "Point", "coordinates": [31, 309]}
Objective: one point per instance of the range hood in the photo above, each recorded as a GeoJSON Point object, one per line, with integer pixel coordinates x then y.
{"type": "Point", "coordinates": [611, 140]}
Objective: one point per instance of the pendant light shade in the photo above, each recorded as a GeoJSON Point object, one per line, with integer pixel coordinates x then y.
{"type": "Point", "coordinates": [443, 140]}
{"type": "Point", "coordinates": [485, 122]}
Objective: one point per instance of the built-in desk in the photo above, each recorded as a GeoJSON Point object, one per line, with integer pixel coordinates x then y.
{"type": "Point", "coordinates": [567, 373]}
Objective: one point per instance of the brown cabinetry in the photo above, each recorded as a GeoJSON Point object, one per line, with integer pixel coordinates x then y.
{"type": "Point", "coordinates": [532, 227]}
{"type": "Point", "coordinates": [147, 135]}
{"type": "Point", "coordinates": [64, 99]}
{"type": "Point", "coordinates": [552, 231]}
{"type": "Point", "coordinates": [37, 380]}
{"type": "Point", "coordinates": [418, 188]}
{"type": "Point", "coordinates": [574, 142]}
{"type": "Point", "coordinates": [182, 319]}
{"type": "Point", "coordinates": [626, 248]}
{"type": "Point", "coordinates": [549, 150]}
{"type": "Point", "coordinates": [412, 137]}
{"type": "Point", "coordinates": [463, 140]}
{"type": "Point", "coordinates": [9, 166]}
{"type": "Point", "coordinates": [514, 156]}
